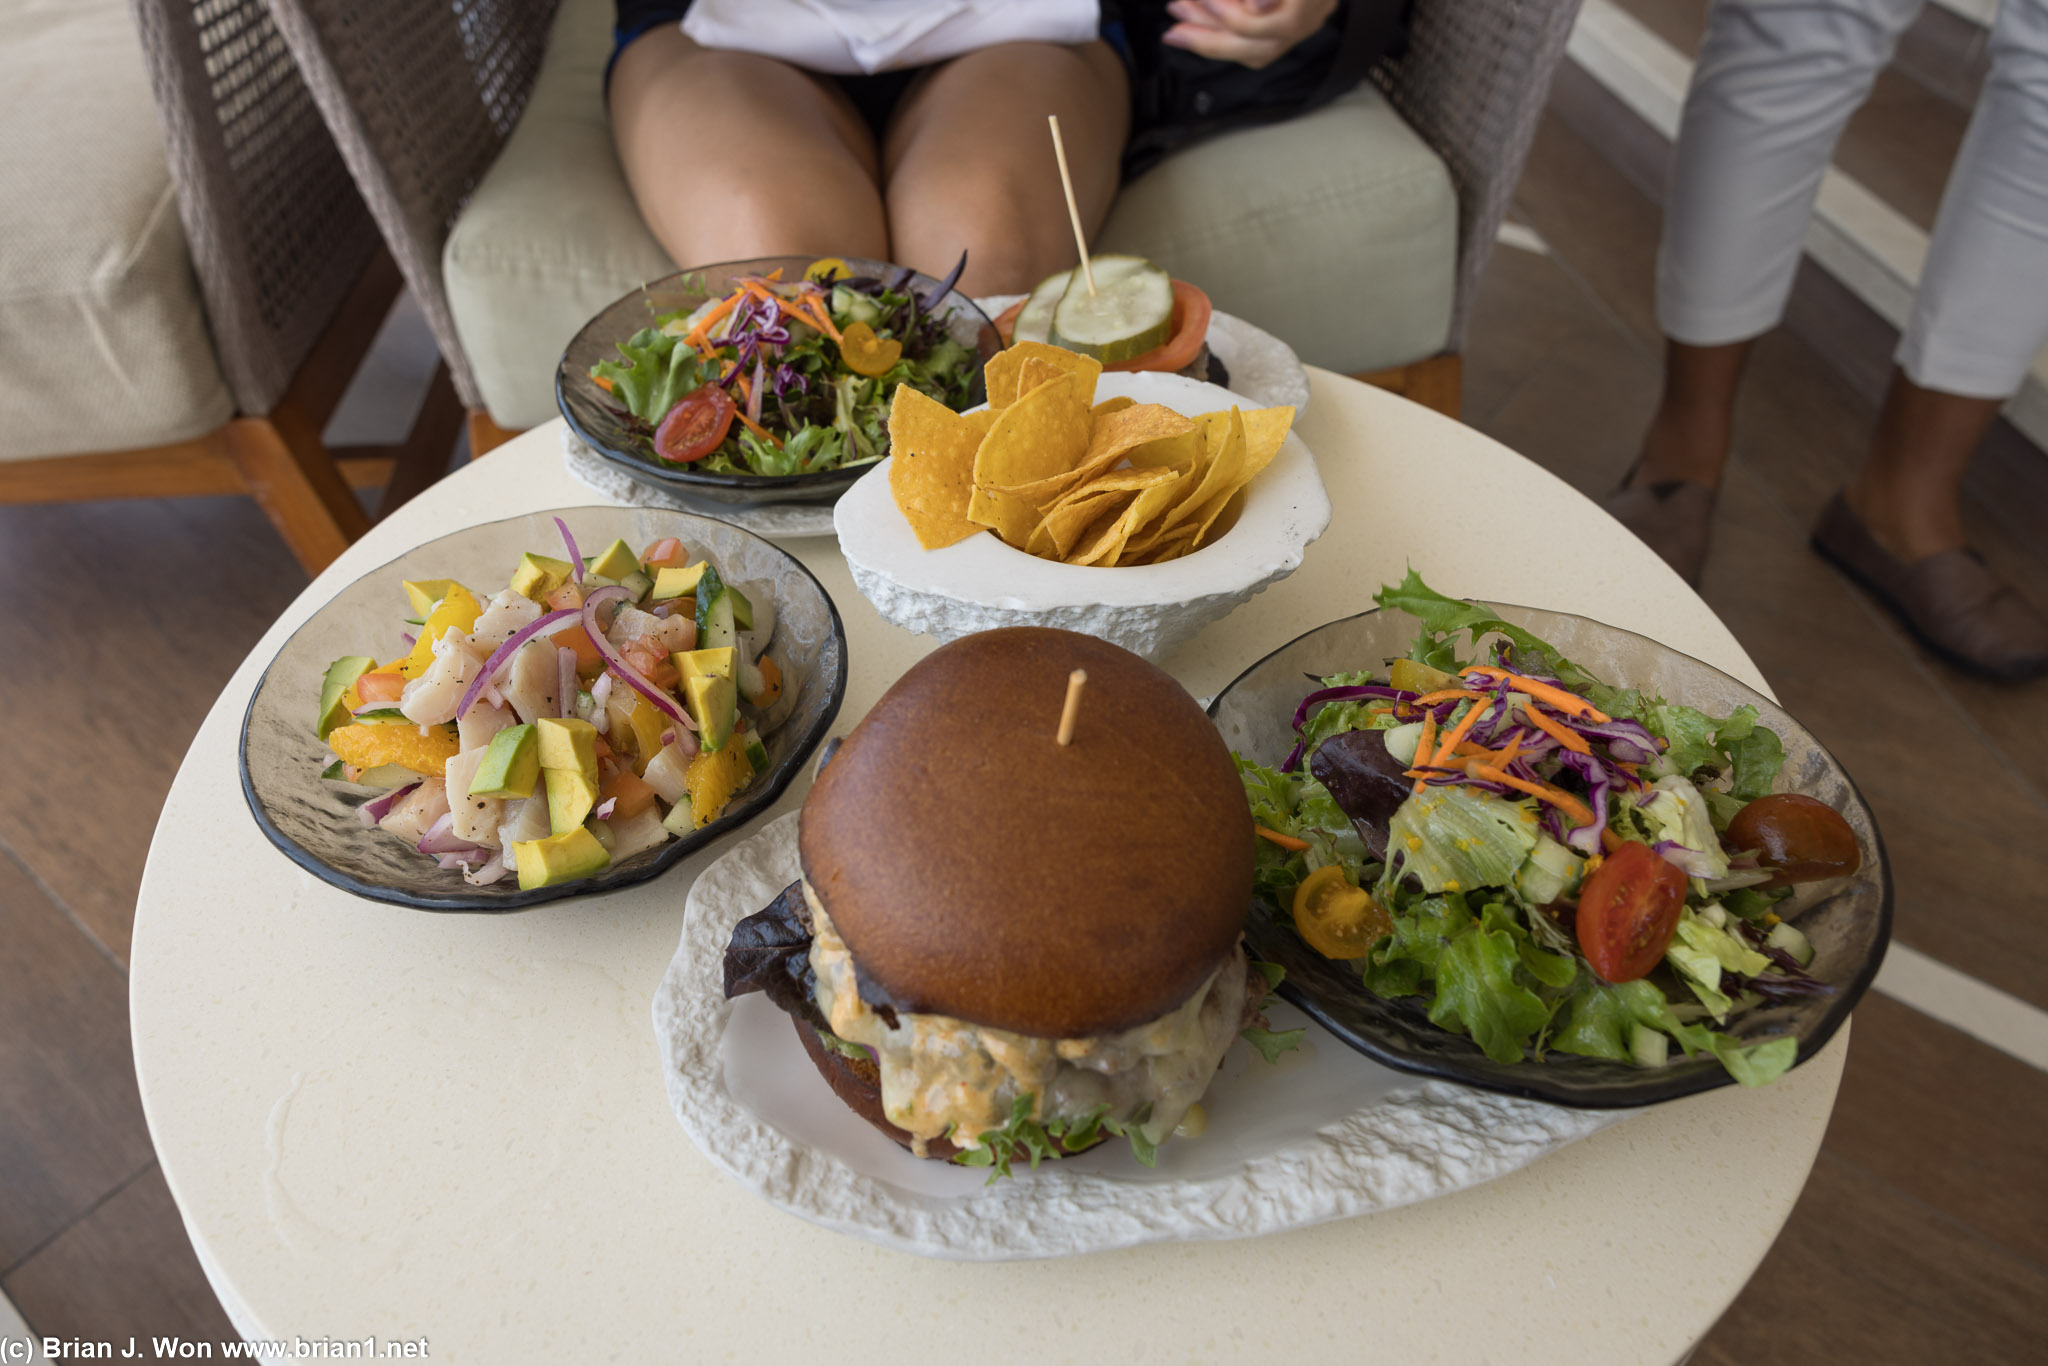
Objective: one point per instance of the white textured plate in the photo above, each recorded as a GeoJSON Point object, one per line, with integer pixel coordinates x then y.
{"type": "Point", "coordinates": [593, 471]}
{"type": "Point", "coordinates": [980, 583]}
{"type": "Point", "coordinates": [1262, 367]}
{"type": "Point", "coordinates": [1323, 1134]}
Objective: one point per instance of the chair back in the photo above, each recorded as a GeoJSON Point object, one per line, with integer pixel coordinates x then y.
{"type": "Point", "coordinates": [1473, 83]}
{"type": "Point", "coordinates": [277, 231]}
{"type": "Point", "coordinates": [420, 95]}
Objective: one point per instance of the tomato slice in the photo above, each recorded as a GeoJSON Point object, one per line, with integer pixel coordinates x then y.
{"type": "Point", "coordinates": [1191, 310]}
{"type": "Point", "coordinates": [1337, 919]}
{"type": "Point", "coordinates": [695, 426]}
{"type": "Point", "coordinates": [1628, 910]}
{"type": "Point", "coordinates": [1801, 837]}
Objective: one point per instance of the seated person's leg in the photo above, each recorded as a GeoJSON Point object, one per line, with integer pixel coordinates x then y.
{"type": "Point", "coordinates": [968, 161]}
{"type": "Point", "coordinates": [733, 155]}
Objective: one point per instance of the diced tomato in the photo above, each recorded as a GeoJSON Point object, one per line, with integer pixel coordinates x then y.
{"type": "Point", "coordinates": [589, 663]}
{"type": "Point", "coordinates": [568, 595]}
{"type": "Point", "coordinates": [380, 687]}
{"type": "Point", "coordinates": [629, 792]}
{"type": "Point", "coordinates": [666, 553]}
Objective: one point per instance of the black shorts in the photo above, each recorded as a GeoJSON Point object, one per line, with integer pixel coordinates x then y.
{"type": "Point", "coordinates": [875, 97]}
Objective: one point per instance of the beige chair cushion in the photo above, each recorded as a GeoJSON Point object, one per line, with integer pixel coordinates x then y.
{"type": "Point", "coordinates": [552, 235]}
{"type": "Point", "coordinates": [103, 339]}
{"type": "Point", "coordinates": [1336, 231]}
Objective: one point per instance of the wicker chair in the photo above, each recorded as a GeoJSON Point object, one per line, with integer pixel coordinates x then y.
{"type": "Point", "coordinates": [152, 353]}
{"type": "Point", "coordinates": [422, 97]}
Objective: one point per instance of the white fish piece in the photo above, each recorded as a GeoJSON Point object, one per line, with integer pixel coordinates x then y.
{"type": "Point", "coordinates": [476, 819]}
{"type": "Point", "coordinates": [412, 815]}
{"type": "Point", "coordinates": [508, 613]}
{"type": "Point", "coordinates": [632, 624]}
{"type": "Point", "coordinates": [432, 698]}
{"type": "Point", "coordinates": [631, 835]}
{"type": "Point", "coordinates": [665, 774]}
{"type": "Point", "coordinates": [525, 819]}
{"type": "Point", "coordinates": [532, 681]}
{"type": "Point", "coordinates": [475, 730]}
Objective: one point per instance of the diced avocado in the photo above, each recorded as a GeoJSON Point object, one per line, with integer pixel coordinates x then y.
{"type": "Point", "coordinates": [637, 585]}
{"type": "Point", "coordinates": [715, 705]}
{"type": "Point", "coordinates": [341, 676]}
{"type": "Point", "coordinates": [567, 745]}
{"type": "Point", "coordinates": [742, 610]}
{"type": "Point", "coordinates": [510, 766]}
{"type": "Point", "coordinates": [337, 771]}
{"type": "Point", "coordinates": [715, 627]}
{"type": "Point", "coordinates": [678, 583]}
{"type": "Point", "coordinates": [757, 753]}
{"type": "Point", "coordinates": [616, 561]}
{"type": "Point", "coordinates": [717, 663]}
{"type": "Point", "coordinates": [571, 795]}
{"type": "Point", "coordinates": [424, 593]}
{"type": "Point", "coordinates": [539, 575]}
{"type": "Point", "coordinates": [562, 857]}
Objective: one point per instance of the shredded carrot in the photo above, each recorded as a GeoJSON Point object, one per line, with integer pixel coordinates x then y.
{"type": "Point", "coordinates": [775, 275]}
{"type": "Point", "coordinates": [758, 430]}
{"type": "Point", "coordinates": [723, 307]}
{"type": "Point", "coordinates": [1568, 703]}
{"type": "Point", "coordinates": [1508, 755]}
{"type": "Point", "coordinates": [1557, 797]}
{"type": "Point", "coordinates": [1571, 740]}
{"type": "Point", "coordinates": [1449, 744]}
{"type": "Point", "coordinates": [601, 382]}
{"type": "Point", "coordinates": [1610, 841]}
{"type": "Point", "coordinates": [823, 318]}
{"type": "Point", "coordinates": [1425, 745]}
{"type": "Point", "coordinates": [1430, 699]}
{"type": "Point", "coordinates": [1284, 841]}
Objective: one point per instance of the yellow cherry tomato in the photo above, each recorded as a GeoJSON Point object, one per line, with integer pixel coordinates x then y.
{"type": "Point", "coordinates": [1337, 919]}
{"type": "Point", "coordinates": [825, 267]}
{"type": "Point", "coordinates": [864, 352]}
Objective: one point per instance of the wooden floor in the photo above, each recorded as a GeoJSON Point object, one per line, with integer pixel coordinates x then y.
{"type": "Point", "coordinates": [1923, 1232]}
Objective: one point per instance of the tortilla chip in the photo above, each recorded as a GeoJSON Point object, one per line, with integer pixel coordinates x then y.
{"type": "Point", "coordinates": [931, 475]}
{"type": "Point", "coordinates": [1223, 435]}
{"type": "Point", "coordinates": [1004, 370]}
{"type": "Point", "coordinates": [1265, 430]}
{"type": "Point", "coordinates": [1114, 438]}
{"type": "Point", "coordinates": [1034, 372]}
{"type": "Point", "coordinates": [1064, 526]}
{"type": "Point", "coordinates": [1114, 405]}
{"type": "Point", "coordinates": [1043, 433]}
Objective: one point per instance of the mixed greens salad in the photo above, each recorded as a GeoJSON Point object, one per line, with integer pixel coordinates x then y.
{"type": "Point", "coordinates": [1552, 863]}
{"type": "Point", "coordinates": [788, 377]}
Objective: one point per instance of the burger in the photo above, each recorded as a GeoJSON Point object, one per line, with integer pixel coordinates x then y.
{"type": "Point", "coordinates": [1002, 946]}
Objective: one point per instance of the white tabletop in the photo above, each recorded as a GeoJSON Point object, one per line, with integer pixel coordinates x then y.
{"type": "Point", "coordinates": [380, 1121]}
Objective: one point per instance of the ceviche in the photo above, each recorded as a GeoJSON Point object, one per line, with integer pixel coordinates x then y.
{"type": "Point", "coordinates": [592, 708]}
{"type": "Point", "coordinates": [1553, 863]}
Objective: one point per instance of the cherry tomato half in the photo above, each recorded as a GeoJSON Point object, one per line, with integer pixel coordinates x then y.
{"type": "Point", "coordinates": [1337, 919]}
{"type": "Point", "coordinates": [1627, 911]}
{"type": "Point", "coordinates": [695, 426]}
{"type": "Point", "coordinates": [1802, 837]}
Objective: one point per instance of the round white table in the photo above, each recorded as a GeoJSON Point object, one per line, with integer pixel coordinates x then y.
{"type": "Point", "coordinates": [383, 1122]}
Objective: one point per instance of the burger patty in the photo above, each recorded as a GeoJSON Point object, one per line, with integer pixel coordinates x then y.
{"type": "Point", "coordinates": [941, 1075]}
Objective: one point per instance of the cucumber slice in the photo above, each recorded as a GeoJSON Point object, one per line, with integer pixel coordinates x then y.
{"type": "Point", "coordinates": [757, 753]}
{"type": "Point", "coordinates": [637, 585]}
{"type": "Point", "coordinates": [742, 610]}
{"type": "Point", "coordinates": [1648, 1047]}
{"type": "Point", "coordinates": [715, 629]}
{"type": "Point", "coordinates": [1790, 940]}
{"type": "Point", "coordinates": [1034, 322]}
{"type": "Point", "coordinates": [1130, 313]}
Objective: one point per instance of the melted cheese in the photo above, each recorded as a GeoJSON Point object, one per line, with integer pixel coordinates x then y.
{"type": "Point", "coordinates": [941, 1074]}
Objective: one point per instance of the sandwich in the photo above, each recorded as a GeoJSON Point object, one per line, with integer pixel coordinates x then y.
{"type": "Point", "coordinates": [1005, 947]}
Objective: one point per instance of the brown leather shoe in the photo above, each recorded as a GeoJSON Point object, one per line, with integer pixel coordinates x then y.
{"type": "Point", "coordinates": [1673, 518]}
{"type": "Point", "coordinates": [1954, 604]}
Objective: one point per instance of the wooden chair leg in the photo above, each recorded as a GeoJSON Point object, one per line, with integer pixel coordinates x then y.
{"type": "Point", "coordinates": [1436, 383]}
{"type": "Point", "coordinates": [295, 480]}
{"type": "Point", "coordinates": [423, 457]}
{"type": "Point", "coordinates": [485, 435]}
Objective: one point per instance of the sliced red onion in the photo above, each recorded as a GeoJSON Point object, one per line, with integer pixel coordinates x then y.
{"type": "Point", "coordinates": [375, 809]}
{"type": "Point", "coordinates": [492, 870]}
{"type": "Point", "coordinates": [487, 676]}
{"type": "Point", "coordinates": [1690, 861]}
{"type": "Point", "coordinates": [565, 678]}
{"type": "Point", "coordinates": [462, 858]}
{"type": "Point", "coordinates": [442, 839]}
{"type": "Point", "coordinates": [668, 737]}
{"type": "Point", "coordinates": [575, 559]}
{"type": "Point", "coordinates": [601, 690]}
{"type": "Point", "coordinates": [662, 609]}
{"type": "Point", "coordinates": [754, 393]}
{"type": "Point", "coordinates": [409, 638]}
{"type": "Point", "coordinates": [617, 663]}
{"type": "Point", "coordinates": [604, 808]}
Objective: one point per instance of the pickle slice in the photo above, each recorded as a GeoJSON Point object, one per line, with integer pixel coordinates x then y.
{"type": "Point", "coordinates": [1130, 312]}
{"type": "Point", "coordinates": [1034, 321]}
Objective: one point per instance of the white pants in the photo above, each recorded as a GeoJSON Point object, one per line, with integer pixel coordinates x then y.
{"type": "Point", "coordinates": [1775, 85]}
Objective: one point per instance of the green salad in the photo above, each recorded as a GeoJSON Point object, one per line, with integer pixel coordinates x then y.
{"type": "Point", "coordinates": [787, 377]}
{"type": "Point", "coordinates": [1551, 863]}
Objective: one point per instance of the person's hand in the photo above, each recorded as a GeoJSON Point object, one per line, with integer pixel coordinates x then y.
{"type": "Point", "coordinates": [1252, 33]}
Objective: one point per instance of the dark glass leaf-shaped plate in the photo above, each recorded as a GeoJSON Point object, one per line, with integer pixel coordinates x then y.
{"type": "Point", "coordinates": [313, 820]}
{"type": "Point", "coordinates": [1847, 920]}
{"type": "Point", "coordinates": [596, 417]}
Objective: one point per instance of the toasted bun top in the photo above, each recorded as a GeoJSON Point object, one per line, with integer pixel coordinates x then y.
{"type": "Point", "coordinates": [977, 869]}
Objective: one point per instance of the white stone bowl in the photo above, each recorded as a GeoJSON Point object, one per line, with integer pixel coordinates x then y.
{"type": "Point", "coordinates": [981, 583]}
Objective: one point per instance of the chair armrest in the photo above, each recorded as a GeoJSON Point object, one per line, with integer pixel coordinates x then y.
{"type": "Point", "coordinates": [277, 232]}
{"type": "Point", "coordinates": [1473, 83]}
{"type": "Point", "coordinates": [420, 95]}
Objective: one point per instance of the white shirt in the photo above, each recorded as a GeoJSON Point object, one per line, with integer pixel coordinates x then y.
{"type": "Point", "coordinates": [849, 37]}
